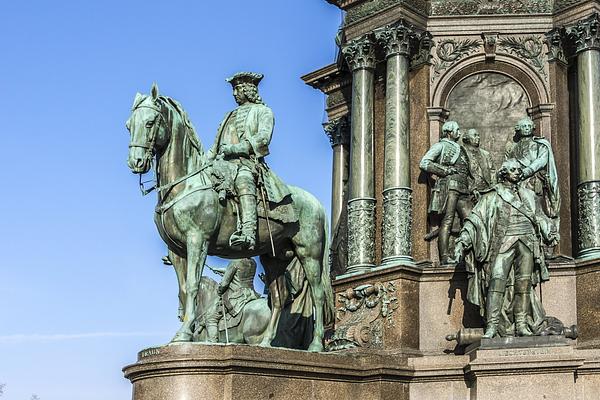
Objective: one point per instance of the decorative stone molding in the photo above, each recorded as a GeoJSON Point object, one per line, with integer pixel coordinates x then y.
{"type": "Point", "coordinates": [361, 234]}
{"type": "Point", "coordinates": [554, 42]}
{"type": "Point", "coordinates": [396, 39]}
{"type": "Point", "coordinates": [527, 48]}
{"type": "Point", "coordinates": [588, 211]}
{"type": "Point", "coordinates": [449, 52]}
{"type": "Point", "coordinates": [361, 316]}
{"type": "Point", "coordinates": [338, 131]}
{"type": "Point", "coordinates": [360, 53]}
{"type": "Point", "coordinates": [585, 34]}
{"type": "Point", "coordinates": [397, 223]}
{"type": "Point", "coordinates": [371, 7]}
{"type": "Point", "coordinates": [489, 7]}
{"type": "Point", "coordinates": [490, 39]}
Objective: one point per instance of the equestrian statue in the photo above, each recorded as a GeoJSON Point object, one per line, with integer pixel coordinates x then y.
{"type": "Point", "coordinates": [228, 203]}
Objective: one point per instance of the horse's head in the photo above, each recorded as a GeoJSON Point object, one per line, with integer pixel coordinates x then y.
{"type": "Point", "coordinates": [149, 130]}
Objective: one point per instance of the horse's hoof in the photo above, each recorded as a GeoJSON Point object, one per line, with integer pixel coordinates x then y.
{"type": "Point", "coordinates": [182, 337]}
{"type": "Point", "coordinates": [316, 347]}
{"type": "Point", "coordinates": [265, 343]}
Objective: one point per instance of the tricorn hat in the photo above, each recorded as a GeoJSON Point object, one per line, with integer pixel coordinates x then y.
{"type": "Point", "coordinates": [245, 77]}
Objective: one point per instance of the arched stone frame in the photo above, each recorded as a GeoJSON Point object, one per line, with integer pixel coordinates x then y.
{"type": "Point", "coordinates": [537, 90]}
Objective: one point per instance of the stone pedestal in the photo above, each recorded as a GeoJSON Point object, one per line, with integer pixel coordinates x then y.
{"type": "Point", "coordinates": [228, 372]}
{"type": "Point", "coordinates": [520, 371]}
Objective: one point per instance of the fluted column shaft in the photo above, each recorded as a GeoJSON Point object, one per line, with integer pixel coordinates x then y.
{"type": "Point", "coordinates": [586, 36]}
{"type": "Point", "coordinates": [360, 55]}
{"type": "Point", "coordinates": [397, 193]}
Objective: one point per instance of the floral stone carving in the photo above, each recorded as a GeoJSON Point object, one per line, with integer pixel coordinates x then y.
{"type": "Point", "coordinates": [361, 316]}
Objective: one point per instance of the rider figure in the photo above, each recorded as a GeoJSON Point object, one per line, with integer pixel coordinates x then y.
{"type": "Point", "coordinates": [243, 139]}
{"type": "Point", "coordinates": [236, 290]}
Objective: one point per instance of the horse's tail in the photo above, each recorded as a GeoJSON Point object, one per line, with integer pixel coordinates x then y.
{"type": "Point", "coordinates": [329, 304]}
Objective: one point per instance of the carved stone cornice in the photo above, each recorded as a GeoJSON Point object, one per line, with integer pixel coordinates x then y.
{"type": "Point", "coordinates": [585, 34]}
{"type": "Point", "coordinates": [556, 50]}
{"type": "Point", "coordinates": [338, 131]}
{"type": "Point", "coordinates": [396, 39]}
{"type": "Point", "coordinates": [360, 53]}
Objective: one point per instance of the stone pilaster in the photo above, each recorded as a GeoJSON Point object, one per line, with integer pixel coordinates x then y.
{"type": "Point", "coordinates": [397, 41]}
{"type": "Point", "coordinates": [585, 37]}
{"type": "Point", "coordinates": [338, 132]}
{"type": "Point", "coordinates": [360, 55]}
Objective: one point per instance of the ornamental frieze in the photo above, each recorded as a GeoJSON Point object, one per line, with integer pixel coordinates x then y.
{"type": "Point", "coordinates": [527, 48]}
{"type": "Point", "coordinates": [490, 7]}
{"type": "Point", "coordinates": [449, 52]}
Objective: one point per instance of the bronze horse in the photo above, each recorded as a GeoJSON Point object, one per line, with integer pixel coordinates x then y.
{"type": "Point", "coordinates": [194, 223]}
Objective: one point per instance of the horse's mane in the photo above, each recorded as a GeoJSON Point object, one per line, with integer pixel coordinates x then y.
{"type": "Point", "coordinates": [190, 131]}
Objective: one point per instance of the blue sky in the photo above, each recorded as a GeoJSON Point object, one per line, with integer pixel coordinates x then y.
{"type": "Point", "coordinates": [82, 288]}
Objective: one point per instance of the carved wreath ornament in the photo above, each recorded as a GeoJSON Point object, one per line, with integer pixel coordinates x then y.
{"type": "Point", "coordinates": [362, 314]}
{"type": "Point", "coordinates": [450, 51]}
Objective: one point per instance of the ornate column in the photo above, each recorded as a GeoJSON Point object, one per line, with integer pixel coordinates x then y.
{"type": "Point", "coordinates": [360, 55]}
{"type": "Point", "coordinates": [586, 38]}
{"type": "Point", "coordinates": [397, 193]}
{"type": "Point", "coordinates": [337, 130]}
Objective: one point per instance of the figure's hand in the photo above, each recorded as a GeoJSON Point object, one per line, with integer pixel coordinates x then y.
{"type": "Point", "coordinates": [221, 290]}
{"type": "Point", "coordinates": [238, 149]}
{"type": "Point", "coordinates": [553, 238]}
{"type": "Point", "coordinates": [226, 150]}
{"type": "Point", "coordinates": [451, 171]}
{"type": "Point", "coordinates": [459, 252]}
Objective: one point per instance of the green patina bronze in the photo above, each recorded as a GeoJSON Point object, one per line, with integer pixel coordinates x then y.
{"type": "Point", "coordinates": [502, 242]}
{"type": "Point", "coordinates": [200, 197]}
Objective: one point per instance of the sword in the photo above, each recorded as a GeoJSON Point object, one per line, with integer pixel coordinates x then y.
{"type": "Point", "coordinates": [225, 321]}
{"type": "Point", "coordinates": [262, 193]}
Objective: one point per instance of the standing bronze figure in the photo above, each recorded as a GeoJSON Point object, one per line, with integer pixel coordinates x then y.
{"type": "Point", "coordinates": [195, 218]}
{"type": "Point", "coordinates": [536, 158]}
{"type": "Point", "coordinates": [502, 239]}
{"type": "Point", "coordinates": [481, 170]}
{"type": "Point", "coordinates": [448, 161]}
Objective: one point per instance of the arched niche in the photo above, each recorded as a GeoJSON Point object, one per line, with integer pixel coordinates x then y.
{"type": "Point", "coordinates": [491, 103]}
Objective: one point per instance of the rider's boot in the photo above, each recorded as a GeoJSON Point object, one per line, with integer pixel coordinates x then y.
{"type": "Point", "coordinates": [246, 236]}
{"type": "Point", "coordinates": [212, 333]}
{"type": "Point", "coordinates": [520, 308]}
{"type": "Point", "coordinates": [495, 299]}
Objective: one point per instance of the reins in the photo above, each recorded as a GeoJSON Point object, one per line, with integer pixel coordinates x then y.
{"type": "Point", "coordinates": [149, 148]}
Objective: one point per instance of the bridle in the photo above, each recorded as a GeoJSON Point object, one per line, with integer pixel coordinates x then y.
{"type": "Point", "coordinates": [148, 147]}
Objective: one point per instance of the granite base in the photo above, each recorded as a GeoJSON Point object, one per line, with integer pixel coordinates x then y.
{"type": "Point", "coordinates": [227, 372]}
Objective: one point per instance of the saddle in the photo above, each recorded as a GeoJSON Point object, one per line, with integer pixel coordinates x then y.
{"type": "Point", "coordinates": [273, 199]}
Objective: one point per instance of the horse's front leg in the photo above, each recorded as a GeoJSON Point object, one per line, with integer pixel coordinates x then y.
{"type": "Point", "coordinates": [179, 265]}
{"type": "Point", "coordinates": [197, 249]}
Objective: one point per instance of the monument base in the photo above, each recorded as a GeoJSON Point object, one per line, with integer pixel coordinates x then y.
{"type": "Point", "coordinates": [215, 372]}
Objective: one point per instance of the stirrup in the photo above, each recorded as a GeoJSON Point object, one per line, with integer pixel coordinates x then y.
{"type": "Point", "coordinates": [239, 239]}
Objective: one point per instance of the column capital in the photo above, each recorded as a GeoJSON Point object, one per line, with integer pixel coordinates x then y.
{"type": "Point", "coordinates": [396, 39]}
{"type": "Point", "coordinates": [360, 53]}
{"type": "Point", "coordinates": [338, 131]}
{"type": "Point", "coordinates": [585, 34]}
{"type": "Point", "coordinates": [556, 48]}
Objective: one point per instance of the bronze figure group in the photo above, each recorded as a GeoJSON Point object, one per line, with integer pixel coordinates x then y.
{"type": "Point", "coordinates": [508, 220]}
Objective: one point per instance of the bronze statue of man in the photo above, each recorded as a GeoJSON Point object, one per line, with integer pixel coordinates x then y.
{"type": "Point", "coordinates": [243, 138]}
{"type": "Point", "coordinates": [448, 161]}
{"type": "Point", "coordinates": [537, 162]}
{"type": "Point", "coordinates": [236, 290]}
{"type": "Point", "coordinates": [502, 239]}
{"type": "Point", "coordinates": [480, 163]}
